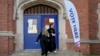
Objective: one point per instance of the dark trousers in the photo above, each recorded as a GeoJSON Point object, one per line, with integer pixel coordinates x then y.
{"type": "Point", "coordinates": [53, 44]}
{"type": "Point", "coordinates": [43, 45]}
{"type": "Point", "coordinates": [49, 46]}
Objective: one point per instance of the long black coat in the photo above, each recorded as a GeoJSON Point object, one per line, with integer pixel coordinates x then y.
{"type": "Point", "coordinates": [43, 42]}
{"type": "Point", "coordinates": [53, 44]}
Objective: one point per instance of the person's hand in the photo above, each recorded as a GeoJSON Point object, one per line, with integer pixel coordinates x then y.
{"type": "Point", "coordinates": [36, 42]}
{"type": "Point", "coordinates": [53, 34]}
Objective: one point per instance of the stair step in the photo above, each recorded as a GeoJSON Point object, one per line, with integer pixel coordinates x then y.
{"type": "Point", "coordinates": [38, 53]}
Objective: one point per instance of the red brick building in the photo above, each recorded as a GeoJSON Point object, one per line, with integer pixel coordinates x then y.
{"type": "Point", "coordinates": [12, 23]}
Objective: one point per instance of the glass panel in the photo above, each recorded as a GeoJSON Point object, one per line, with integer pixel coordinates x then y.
{"type": "Point", "coordinates": [32, 25]}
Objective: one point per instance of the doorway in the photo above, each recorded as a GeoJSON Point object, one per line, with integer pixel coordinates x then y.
{"type": "Point", "coordinates": [35, 19]}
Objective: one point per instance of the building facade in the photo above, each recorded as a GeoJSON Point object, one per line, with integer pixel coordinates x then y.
{"type": "Point", "coordinates": [15, 15]}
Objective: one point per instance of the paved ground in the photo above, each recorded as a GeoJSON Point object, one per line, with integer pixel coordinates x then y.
{"type": "Point", "coordinates": [38, 53]}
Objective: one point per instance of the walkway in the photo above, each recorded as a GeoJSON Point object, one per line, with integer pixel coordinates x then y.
{"type": "Point", "coordinates": [38, 53]}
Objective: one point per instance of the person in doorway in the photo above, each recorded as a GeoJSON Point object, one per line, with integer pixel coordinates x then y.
{"type": "Point", "coordinates": [43, 37]}
{"type": "Point", "coordinates": [51, 31]}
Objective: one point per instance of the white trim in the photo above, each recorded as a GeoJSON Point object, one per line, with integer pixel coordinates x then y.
{"type": "Point", "coordinates": [98, 12]}
{"type": "Point", "coordinates": [19, 35]}
{"type": "Point", "coordinates": [6, 34]}
{"type": "Point", "coordinates": [82, 41]}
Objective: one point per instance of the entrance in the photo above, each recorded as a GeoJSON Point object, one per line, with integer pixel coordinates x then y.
{"type": "Point", "coordinates": [35, 19]}
{"type": "Point", "coordinates": [37, 7]}
{"type": "Point", "coordinates": [33, 25]}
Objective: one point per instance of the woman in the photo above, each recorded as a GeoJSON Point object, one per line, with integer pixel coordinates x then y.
{"type": "Point", "coordinates": [43, 37]}
{"type": "Point", "coordinates": [51, 31]}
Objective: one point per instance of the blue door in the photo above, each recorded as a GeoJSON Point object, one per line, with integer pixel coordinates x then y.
{"type": "Point", "coordinates": [51, 19]}
{"type": "Point", "coordinates": [33, 25]}
{"type": "Point", "coordinates": [32, 28]}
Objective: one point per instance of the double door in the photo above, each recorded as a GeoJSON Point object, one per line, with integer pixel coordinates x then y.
{"type": "Point", "coordinates": [33, 25]}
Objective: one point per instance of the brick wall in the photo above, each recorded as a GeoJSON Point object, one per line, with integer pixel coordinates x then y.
{"type": "Point", "coordinates": [88, 25]}
{"type": "Point", "coordinates": [11, 45]}
{"type": "Point", "coordinates": [3, 46]}
{"type": "Point", "coordinates": [3, 15]}
{"type": "Point", "coordinates": [82, 9]}
{"type": "Point", "coordinates": [6, 46]}
{"type": "Point", "coordinates": [6, 15]}
{"type": "Point", "coordinates": [84, 48]}
{"type": "Point", "coordinates": [93, 26]}
{"type": "Point", "coordinates": [87, 11]}
{"type": "Point", "coordinates": [6, 24]}
{"type": "Point", "coordinates": [83, 19]}
{"type": "Point", "coordinates": [93, 17]}
{"type": "Point", "coordinates": [95, 48]}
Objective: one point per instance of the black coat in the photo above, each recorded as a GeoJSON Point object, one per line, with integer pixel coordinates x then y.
{"type": "Point", "coordinates": [43, 43]}
{"type": "Point", "coordinates": [53, 42]}
{"type": "Point", "coordinates": [51, 30]}
{"type": "Point", "coordinates": [43, 39]}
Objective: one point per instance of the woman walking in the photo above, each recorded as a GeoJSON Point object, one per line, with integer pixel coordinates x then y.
{"type": "Point", "coordinates": [43, 37]}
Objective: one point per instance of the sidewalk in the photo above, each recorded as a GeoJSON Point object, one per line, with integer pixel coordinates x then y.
{"type": "Point", "coordinates": [38, 53]}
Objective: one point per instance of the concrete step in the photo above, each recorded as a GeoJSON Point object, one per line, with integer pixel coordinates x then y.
{"type": "Point", "coordinates": [38, 53]}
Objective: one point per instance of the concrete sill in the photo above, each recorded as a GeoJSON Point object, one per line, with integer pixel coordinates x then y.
{"type": "Point", "coordinates": [83, 41]}
{"type": "Point", "coordinates": [6, 34]}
